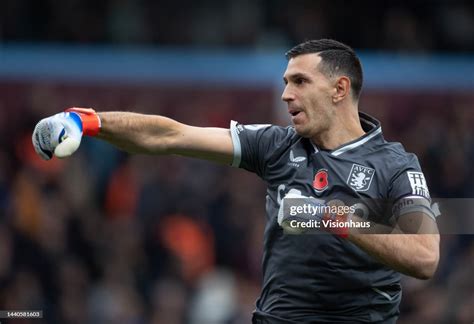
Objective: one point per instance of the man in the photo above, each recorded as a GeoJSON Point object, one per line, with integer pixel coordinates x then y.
{"type": "Point", "coordinates": [330, 152]}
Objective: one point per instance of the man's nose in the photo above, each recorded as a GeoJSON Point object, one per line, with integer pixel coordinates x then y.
{"type": "Point", "coordinates": [287, 95]}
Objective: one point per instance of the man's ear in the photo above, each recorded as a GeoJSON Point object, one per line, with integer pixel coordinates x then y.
{"type": "Point", "coordinates": [343, 89]}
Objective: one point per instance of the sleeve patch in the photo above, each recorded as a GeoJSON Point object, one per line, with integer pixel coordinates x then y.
{"type": "Point", "coordinates": [418, 184]}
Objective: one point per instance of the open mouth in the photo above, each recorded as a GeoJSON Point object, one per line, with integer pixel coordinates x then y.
{"type": "Point", "coordinates": [294, 113]}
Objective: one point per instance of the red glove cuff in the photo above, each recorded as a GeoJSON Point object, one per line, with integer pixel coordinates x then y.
{"type": "Point", "coordinates": [90, 120]}
{"type": "Point", "coordinates": [342, 231]}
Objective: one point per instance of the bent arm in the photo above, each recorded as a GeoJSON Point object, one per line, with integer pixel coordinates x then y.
{"type": "Point", "coordinates": [416, 255]}
{"type": "Point", "coordinates": [151, 134]}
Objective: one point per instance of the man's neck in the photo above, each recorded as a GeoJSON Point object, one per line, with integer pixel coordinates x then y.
{"type": "Point", "coordinates": [341, 131]}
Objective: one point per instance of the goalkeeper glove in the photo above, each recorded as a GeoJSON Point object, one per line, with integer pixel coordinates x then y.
{"type": "Point", "coordinates": [295, 208]}
{"type": "Point", "coordinates": [61, 134]}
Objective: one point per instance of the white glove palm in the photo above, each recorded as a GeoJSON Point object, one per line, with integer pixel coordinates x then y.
{"type": "Point", "coordinates": [60, 135]}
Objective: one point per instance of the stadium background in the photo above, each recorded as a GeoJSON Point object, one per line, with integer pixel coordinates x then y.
{"type": "Point", "coordinates": [104, 237]}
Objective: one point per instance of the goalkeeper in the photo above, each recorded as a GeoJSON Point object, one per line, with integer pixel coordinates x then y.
{"type": "Point", "coordinates": [330, 152]}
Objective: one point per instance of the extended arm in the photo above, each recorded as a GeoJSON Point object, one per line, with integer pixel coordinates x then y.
{"type": "Point", "coordinates": [61, 135]}
{"type": "Point", "coordinates": [138, 133]}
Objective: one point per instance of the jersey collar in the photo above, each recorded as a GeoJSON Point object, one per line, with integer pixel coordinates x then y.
{"type": "Point", "coordinates": [369, 124]}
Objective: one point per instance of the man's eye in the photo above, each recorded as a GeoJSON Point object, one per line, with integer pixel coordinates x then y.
{"type": "Point", "coordinates": [300, 81]}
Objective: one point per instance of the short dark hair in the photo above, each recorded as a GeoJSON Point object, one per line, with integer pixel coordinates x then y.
{"type": "Point", "coordinates": [336, 58]}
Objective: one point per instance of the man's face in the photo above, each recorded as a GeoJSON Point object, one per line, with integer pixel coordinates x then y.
{"type": "Point", "coordinates": [308, 94]}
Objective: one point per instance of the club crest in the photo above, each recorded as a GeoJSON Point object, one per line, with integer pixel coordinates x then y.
{"type": "Point", "coordinates": [360, 177]}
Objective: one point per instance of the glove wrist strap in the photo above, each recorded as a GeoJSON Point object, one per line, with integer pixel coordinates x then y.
{"type": "Point", "coordinates": [90, 124]}
{"type": "Point", "coordinates": [90, 120]}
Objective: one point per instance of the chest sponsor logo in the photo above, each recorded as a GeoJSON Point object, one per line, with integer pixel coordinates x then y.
{"type": "Point", "coordinates": [418, 184]}
{"type": "Point", "coordinates": [360, 177]}
{"type": "Point", "coordinates": [321, 181]}
{"type": "Point", "coordinates": [295, 160]}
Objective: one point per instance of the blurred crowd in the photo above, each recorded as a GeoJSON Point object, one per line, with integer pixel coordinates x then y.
{"type": "Point", "coordinates": [421, 25]}
{"type": "Point", "coordinates": [105, 237]}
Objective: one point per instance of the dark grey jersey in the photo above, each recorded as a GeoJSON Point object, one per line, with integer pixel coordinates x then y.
{"type": "Point", "coordinates": [325, 278]}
